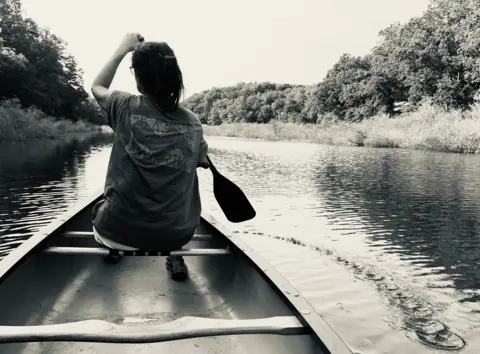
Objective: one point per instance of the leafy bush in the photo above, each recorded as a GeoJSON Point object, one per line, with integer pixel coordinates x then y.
{"type": "Point", "coordinates": [18, 124]}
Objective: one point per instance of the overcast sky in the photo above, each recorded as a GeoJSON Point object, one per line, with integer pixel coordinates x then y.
{"type": "Point", "coordinates": [223, 42]}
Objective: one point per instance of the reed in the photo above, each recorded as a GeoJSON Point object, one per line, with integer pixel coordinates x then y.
{"type": "Point", "coordinates": [428, 128]}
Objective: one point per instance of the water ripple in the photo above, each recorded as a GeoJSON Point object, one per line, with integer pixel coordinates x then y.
{"type": "Point", "coordinates": [404, 223]}
{"type": "Point", "coordinates": [40, 180]}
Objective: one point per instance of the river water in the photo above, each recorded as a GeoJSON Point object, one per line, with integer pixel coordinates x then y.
{"type": "Point", "coordinates": [384, 243]}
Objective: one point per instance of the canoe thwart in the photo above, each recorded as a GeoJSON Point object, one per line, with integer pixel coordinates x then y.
{"type": "Point", "coordinates": [182, 328]}
{"type": "Point", "coordinates": [86, 234]}
{"type": "Point", "coordinates": [100, 251]}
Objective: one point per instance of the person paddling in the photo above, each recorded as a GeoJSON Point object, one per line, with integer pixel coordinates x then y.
{"type": "Point", "coordinates": [151, 197]}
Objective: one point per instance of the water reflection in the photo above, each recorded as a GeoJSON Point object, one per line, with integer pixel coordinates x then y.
{"type": "Point", "coordinates": [421, 206]}
{"type": "Point", "coordinates": [404, 222]}
{"type": "Point", "coordinates": [38, 180]}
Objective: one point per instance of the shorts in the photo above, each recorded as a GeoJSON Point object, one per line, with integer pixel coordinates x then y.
{"type": "Point", "coordinates": [109, 243]}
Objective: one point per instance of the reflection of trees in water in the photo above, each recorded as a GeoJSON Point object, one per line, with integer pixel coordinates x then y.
{"type": "Point", "coordinates": [425, 203]}
{"type": "Point", "coordinates": [43, 155]}
{"type": "Point", "coordinates": [38, 178]}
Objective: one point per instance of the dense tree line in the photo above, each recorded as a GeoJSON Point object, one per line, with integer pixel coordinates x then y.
{"type": "Point", "coordinates": [36, 70]}
{"type": "Point", "coordinates": [251, 102]}
{"type": "Point", "coordinates": [435, 56]}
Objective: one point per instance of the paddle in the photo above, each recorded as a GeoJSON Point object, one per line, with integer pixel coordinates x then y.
{"type": "Point", "coordinates": [137, 332]}
{"type": "Point", "coordinates": [230, 197]}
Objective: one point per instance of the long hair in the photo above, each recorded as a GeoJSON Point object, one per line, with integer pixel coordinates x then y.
{"type": "Point", "coordinates": [158, 73]}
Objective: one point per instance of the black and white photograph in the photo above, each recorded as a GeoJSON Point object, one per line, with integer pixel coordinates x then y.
{"type": "Point", "coordinates": [236, 177]}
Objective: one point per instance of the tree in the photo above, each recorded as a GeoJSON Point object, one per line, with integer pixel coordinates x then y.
{"type": "Point", "coordinates": [435, 56]}
{"type": "Point", "coordinates": [36, 69]}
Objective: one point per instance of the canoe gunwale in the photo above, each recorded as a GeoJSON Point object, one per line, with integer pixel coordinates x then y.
{"type": "Point", "coordinates": [320, 330]}
{"type": "Point", "coordinates": [19, 254]}
{"type": "Point", "coordinates": [306, 314]}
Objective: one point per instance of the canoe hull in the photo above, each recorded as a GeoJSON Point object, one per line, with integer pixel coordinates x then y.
{"type": "Point", "coordinates": [56, 288]}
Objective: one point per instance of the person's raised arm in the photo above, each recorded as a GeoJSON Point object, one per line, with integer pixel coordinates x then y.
{"type": "Point", "coordinates": [102, 82]}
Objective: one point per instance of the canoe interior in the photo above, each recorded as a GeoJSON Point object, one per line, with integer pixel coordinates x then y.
{"type": "Point", "coordinates": [51, 288]}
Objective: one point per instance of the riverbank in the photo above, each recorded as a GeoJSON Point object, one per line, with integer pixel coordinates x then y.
{"type": "Point", "coordinates": [19, 124]}
{"type": "Point", "coordinates": [429, 128]}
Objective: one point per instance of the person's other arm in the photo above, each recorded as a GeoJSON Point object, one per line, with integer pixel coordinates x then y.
{"type": "Point", "coordinates": [202, 156]}
{"type": "Point", "coordinates": [102, 82]}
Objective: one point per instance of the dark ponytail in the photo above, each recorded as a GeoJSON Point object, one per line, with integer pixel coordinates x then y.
{"type": "Point", "coordinates": [158, 73]}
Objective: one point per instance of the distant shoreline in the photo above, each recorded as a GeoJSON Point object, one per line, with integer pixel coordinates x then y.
{"type": "Point", "coordinates": [20, 125]}
{"type": "Point", "coordinates": [75, 130]}
{"type": "Point", "coordinates": [426, 129]}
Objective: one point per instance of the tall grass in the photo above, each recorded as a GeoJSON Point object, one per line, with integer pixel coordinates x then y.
{"type": "Point", "coordinates": [428, 128]}
{"type": "Point", "coordinates": [20, 124]}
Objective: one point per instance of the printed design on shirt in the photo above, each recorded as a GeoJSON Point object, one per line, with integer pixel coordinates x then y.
{"type": "Point", "coordinates": [156, 142]}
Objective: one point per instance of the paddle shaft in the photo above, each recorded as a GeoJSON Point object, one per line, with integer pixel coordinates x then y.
{"type": "Point", "coordinates": [182, 328]}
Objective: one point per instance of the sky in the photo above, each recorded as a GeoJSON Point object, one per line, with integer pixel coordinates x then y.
{"type": "Point", "coordinates": [222, 42]}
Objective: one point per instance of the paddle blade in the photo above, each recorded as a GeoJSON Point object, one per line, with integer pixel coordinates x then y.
{"type": "Point", "coordinates": [232, 200]}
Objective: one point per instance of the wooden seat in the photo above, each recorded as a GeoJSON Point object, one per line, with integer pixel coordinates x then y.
{"type": "Point", "coordinates": [84, 234]}
{"type": "Point", "coordinates": [104, 251]}
{"type": "Point", "coordinates": [100, 251]}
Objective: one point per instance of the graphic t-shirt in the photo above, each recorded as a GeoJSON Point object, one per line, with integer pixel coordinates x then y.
{"type": "Point", "coordinates": [151, 198]}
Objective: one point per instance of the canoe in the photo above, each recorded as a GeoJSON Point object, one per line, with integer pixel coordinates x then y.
{"type": "Point", "coordinates": [58, 295]}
